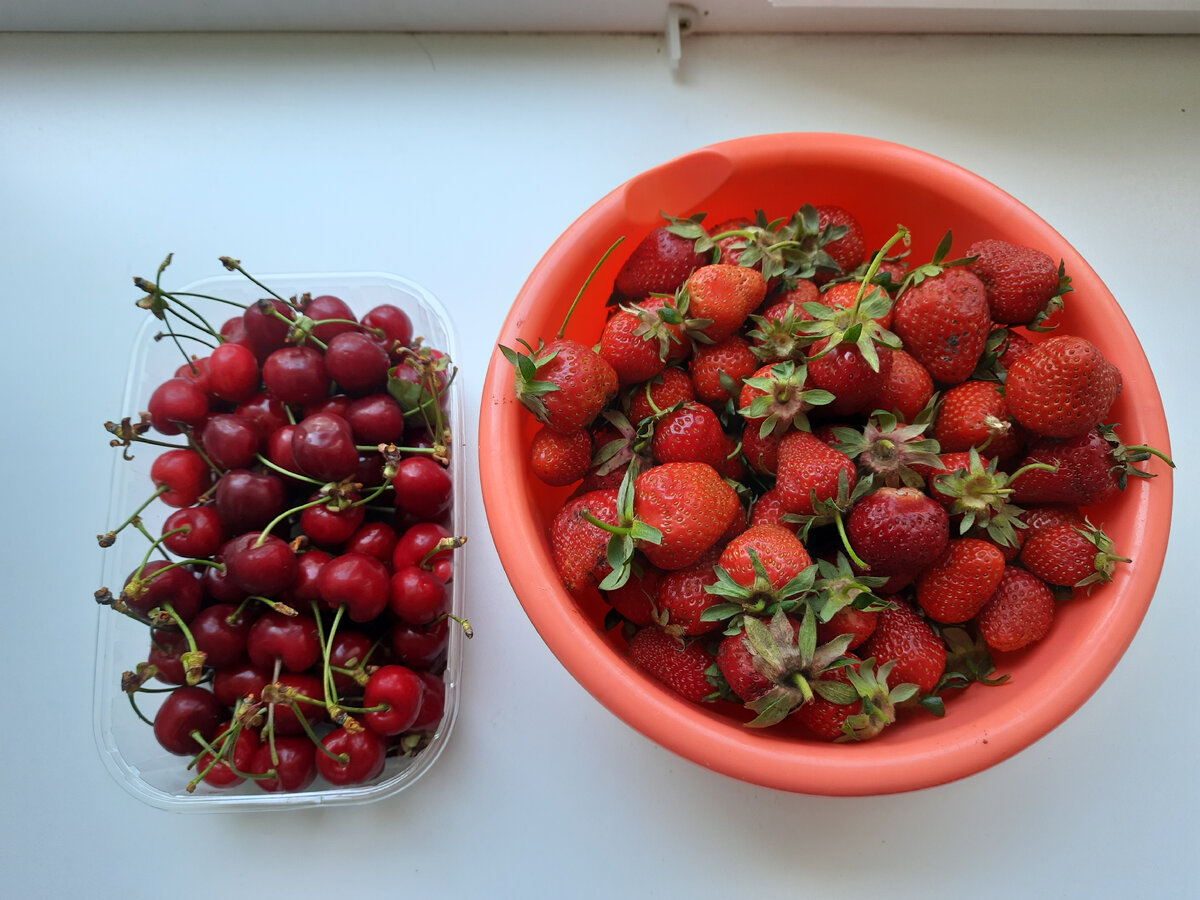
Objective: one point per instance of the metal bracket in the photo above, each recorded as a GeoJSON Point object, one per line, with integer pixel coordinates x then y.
{"type": "Point", "coordinates": [680, 19]}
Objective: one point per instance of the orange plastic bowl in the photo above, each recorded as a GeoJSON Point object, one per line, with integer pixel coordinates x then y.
{"type": "Point", "coordinates": [882, 184]}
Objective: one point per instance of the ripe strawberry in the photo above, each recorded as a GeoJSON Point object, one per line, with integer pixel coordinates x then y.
{"type": "Point", "coordinates": [768, 510]}
{"type": "Point", "coordinates": [907, 389]}
{"type": "Point", "coordinates": [975, 414]}
{"type": "Point", "coordinates": [691, 433]}
{"type": "Point", "coordinates": [717, 369]}
{"type": "Point", "coordinates": [720, 297]}
{"type": "Point", "coordinates": [734, 244]}
{"type": "Point", "coordinates": [658, 265]}
{"type": "Point", "coordinates": [564, 383]}
{"type": "Point", "coordinates": [845, 372]}
{"type": "Point", "coordinates": [1019, 613]}
{"type": "Point", "coordinates": [844, 294]}
{"type": "Point", "coordinates": [735, 659]}
{"type": "Point", "coordinates": [671, 386]}
{"type": "Point", "coordinates": [777, 335]}
{"type": "Point", "coordinates": [1024, 286]}
{"type": "Point", "coordinates": [810, 471]}
{"type": "Point", "coordinates": [890, 453]}
{"type": "Point", "coordinates": [578, 547]}
{"type": "Point", "coordinates": [944, 323]}
{"type": "Point", "coordinates": [559, 458]}
{"type": "Point", "coordinates": [1038, 517]}
{"type": "Point", "coordinates": [680, 666]}
{"type": "Point", "coordinates": [635, 600]}
{"type": "Point", "coordinates": [764, 559]}
{"type": "Point", "coordinates": [629, 344]}
{"type": "Point", "coordinates": [1088, 468]}
{"type": "Point", "coordinates": [1062, 387]}
{"type": "Point", "coordinates": [849, 249]}
{"type": "Point", "coordinates": [681, 598]}
{"type": "Point", "coordinates": [689, 504]}
{"type": "Point", "coordinates": [1070, 556]}
{"type": "Point", "coordinates": [898, 531]}
{"type": "Point", "coordinates": [902, 636]}
{"type": "Point", "coordinates": [957, 585]}
{"type": "Point", "coordinates": [860, 624]}
{"type": "Point", "coordinates": [760, 450]}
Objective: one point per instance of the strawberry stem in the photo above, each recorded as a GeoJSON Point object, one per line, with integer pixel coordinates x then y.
{"type": "Point", "coordinates": [586, 282]}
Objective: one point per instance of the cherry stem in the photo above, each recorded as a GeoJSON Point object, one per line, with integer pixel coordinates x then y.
{"type": "Point", "coordinates": [446, 543]}
{"type": "Point", "coordinates": [282, 471]}
{"type": "Point", "coordinates": [283, 516]}
{"type": "Point", "coordinates": [106, 539]}
{"type": "Point", "coordinates": [175, 294]}
{"type": "Point", "coordinates": [235, 265]}
{"type": "Point", "coordinates": [189, 337]}
{"type": "Point", "coordinates": [282, 608]}
{"type": "Point", "coordinates": [137, 711]}
{"type": "Point", "coordinates": [331, 697]}
{"type": "Point", "coordinates": [587, 281]}
{"type": "Point", "coordinates": [465, 624]}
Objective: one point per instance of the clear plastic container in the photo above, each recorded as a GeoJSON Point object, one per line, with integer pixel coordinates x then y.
{"type": "Point", "coordinates": [127, 744]}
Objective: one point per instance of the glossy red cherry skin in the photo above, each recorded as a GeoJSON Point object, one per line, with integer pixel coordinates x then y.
{"type": "Point", "coordinates": [187, 709]}
{"type": "Point", "coordinates": [365, 751]}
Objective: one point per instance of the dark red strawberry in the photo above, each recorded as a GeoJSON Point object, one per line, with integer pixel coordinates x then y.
{"type": "Point", "coordinates": [1019, 613]}
{"type": "Point", "coordinates": [578, 547]}
{"type": "Point", "coordinates": [902, 636]}
{"type": "Point", "coordinates": [1024, 285]}
{"type": "Point", "coordinates": [564, 383]}
{"type": "Point", "coordinates": [680, 666]}
{"type": "Point", "coordinates": [670, 387]}
{"type": "Point", "coordinates": [957, 584]}
{"type": "Point", "coordinates": [871, 710]}
{"type": "Point", "coordinates": [845, 372]}
{"type": "Point", "coordinates": [681, 598]}
{"type": "Point", "coordinates": [658, 265]}
{"type": "Point", "coordinates": [559, 458]}
{"type": "Point", "coordinates": [1062, 386]}
{"type": "Point", "coordinates": [1069, 556]}
{"type": "Point", "coordinates": [735, 659]}
{"type": "Point", "coordinates": [898, 531]}
{"type": "Point", "coordinates": [858, 623]}
{"type": "Point", "coordinates": [635, 601]}
{"type": "Point", "coordinates": [975, 414]}
{"type": "Point", "coordinates": [849, 248]}
{"type": "Point", "coordinates": [944, 323]}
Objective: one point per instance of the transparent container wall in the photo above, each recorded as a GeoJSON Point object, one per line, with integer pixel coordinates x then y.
{"type": "Point", "coordinates": [126, 743]}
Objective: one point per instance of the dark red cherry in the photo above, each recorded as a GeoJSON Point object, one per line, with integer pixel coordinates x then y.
{"type": "Point", "coordinates": [394, 322]}
{"type": "Point", "coordinates": [264, 567]}
{"type": "Point", "coordinates": [401, 691]}
{"type": "Point", "coordinates": [327, 306]}
{"type": "Point", "coordinates": [376, 419]}
{"type": "Point", "coordinates": [185, 475]}
{"type": "Point", "coordinates": [323, 447]}
{"type": "Point", "coordinates": [365, 753]}
{"type": "Point", "coordinates": [202, 536]}
{"type": "Point", "coordinates": [186, 710]}
{"type": "Point", "coordinates": [220, 631]}
{"type": "Point", "coordinates": [291, 639]}
{"type": "Point", "coordinates": [176, 404]}
{"type": "Point", "coordinates": [249, 501]}
{"type": "Point", "coordinates": [296, 375]}
{"type": "Point", "coordinates": [293, 762]}
{"type": "Point", "coordinates": [234, 375]}
{"type": "Point", "coordinates": [230, 441]}
{"type": "Point", "coordinates": [357, 363]}
{"type": "Point", "coordinates": [356, 581]}
{"type": "Point", "coordinates": [160, 583]}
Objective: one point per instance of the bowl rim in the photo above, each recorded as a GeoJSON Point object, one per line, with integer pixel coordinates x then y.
{"type": "Point", "coordinates": [701, 736]}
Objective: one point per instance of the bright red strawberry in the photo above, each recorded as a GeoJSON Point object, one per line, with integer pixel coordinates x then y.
{"type": "Point", "coordinates": [844, 371]}
{"type": "Point", "coordinates": [1038, 517]}
{"type": "Point", "coordinates": [810, 471]}
{"type": "Point", "coordinates": [957, 585]}
{"type": "Point", "coordinates": [1070, 556]}
{"type": "Point", "coordinates": [1024, 285]}
{"type": "Point", "coordinates": [658, 265]}
{"type": "Point", "coordinates": [1019, 613]}
{"type": "Point", "coordinates": [734, 243]}
{"type": "Point", "coordinates": [902, 636]}
{"type": "Point", "coordinates": [665, 323]}
{"type": "Point", "coordinates": [907, 389]}
{"type": "Point", "coordinates": [1088, 468]}
{"type": "Point", "coordinates": [628, 344]}
{"type": "Point", "coordinates": [768, 510]}
{"type": "Point", "coordinates": [680, 666]}
{"type": "Point", "coordinates": [681, 598]}
{"type": "Point", "coordinates": [671, 386]}
{"type": "Point", "coordinates": [898, 531]}
{"type": "Point", "coordinates": [717, 369]}
{"type": "Point", "coordinates": [780, 555]}
{"type": "Point", "coordinates": [975, 414]}
{"type": "Point", "coordinates": [690, 504]}
{"type": "Point", "coordinates": [722, 297]}
{"type": "Point", "coordinates": [1062, 386]}
{"type": "Point", "coordinates": [691, 433]}
{"type": "Point", "coordinates": [844, 295]}
{"type": "Point", "coordinates": [564, 383]}
{"type": "Point", "coordinates": [559, 458]}
{"type": "Point", "coordinates": [578, 547]}
{"type": "Point", "coordinates": [635, 600]}
{"type": "Point", "coordinates": [761, 450]}
{"type": "Point", "coordinates": [860, 624]}
{"type": "Point", "coordinates": [944, 323]}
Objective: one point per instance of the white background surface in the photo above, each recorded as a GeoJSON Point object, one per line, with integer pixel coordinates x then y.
{"type": "Point", "coordinates": [456, 161]}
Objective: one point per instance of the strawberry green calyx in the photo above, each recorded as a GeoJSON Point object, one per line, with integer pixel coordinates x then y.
{"type": "Point", "coordinates": [628, 446]}
{"type": "Point", "coordinates": [779, 338]}
{"type": "Point", "coordinates": [838, 586]}
{"type": "Point", "coordinates": [936, 266]}
{"type": "Point", "coordinates": [528, 388]}
{"type": "Point", "coordinates": [1106, 559]}
{"type": "Point", "coordinates": [1055, 303]}
{"type": "Point", "coordinates": [879, 702]}
{"type": "Point", "coordinates": [833, 510]}
{"type": "Point", "coordinates": [1124, 456]}
{"type": "Point", "coordinates": [759, 598]}
{"type": "Point", "coordinates": [784, 401]}
{"type": "Point", "coordinates": [980, 496]}
{"type": "Point", "coordinates": [790, 659]}
{"type": "Point", "coordinates": [968, 661]}
{"type": "Point", "coordinates": [626, 535]}
{"type": "Point", "coordinates": [888, 450]}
